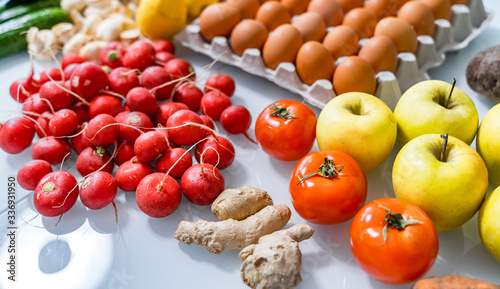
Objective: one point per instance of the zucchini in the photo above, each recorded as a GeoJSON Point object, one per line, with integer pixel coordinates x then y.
{"type": "Point", "coordinates": [12, 32]}
{"type": "Point", "coordinates": [8, 4]}
{"type": "Point", "coordinates": [23, 9]}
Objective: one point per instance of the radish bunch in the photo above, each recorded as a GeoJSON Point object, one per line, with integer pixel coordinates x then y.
{"type": "Point", "coordinates": [135, 121]}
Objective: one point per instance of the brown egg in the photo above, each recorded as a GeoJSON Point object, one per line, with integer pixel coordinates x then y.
{"type": "Point", "coordinates": [341, 41]}
{"type": "Point", "coordinates": [354, 74]}
{"type": "Point", "coordinates": [401, 33]}
{"type": "Point", "coordinates": [330, 10]}
{"type": "Point", "coordinates": [462, 2]}
{"type": "Point", "coordinates": [419, 16]}
{"type": "Point", "coordinates": [348, 5]}
{"type": "Point", "coordinates": [384, 8]}
{"type": "Point", "coordinates": [441, 9]}
{"type": "Point", "coordinates": [314, 62]}
{"type": "Point", "coordinates": [311, 26]}
{"type": "Point", "coordinates": [247, 8]}
{"type": "Point", "coordinates": [218, 20]}
{"type": "Point", "coordinates": [249, 33]}
{"type": "Point", "coordinates": [272, 14]}
{"type": "Point", "coordinates": [281, 45]}
{"type": "Point", "coordinates": [262, 1]}
{"type": "Point", "coordinates": [295, 7]}
{"type": "Point", "coordinates": [381, 53]}
{"type": "Point", "coordinates": [362, 21]}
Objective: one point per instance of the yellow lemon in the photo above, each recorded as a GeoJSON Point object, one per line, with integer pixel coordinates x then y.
{"type": "Point", "coordinates": [196, 6]}
{"type": "Point", "coordinates": [161, 19]}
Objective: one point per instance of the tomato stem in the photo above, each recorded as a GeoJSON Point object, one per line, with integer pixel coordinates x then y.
{"type": "Point", "coordinates": [327, 170]}
{"type": "Point", "coordinates": [282, 112]}
{"type": "Point", "coordinates": [445, 143]}
{"type": "Point", "coordinates": [395, 220]}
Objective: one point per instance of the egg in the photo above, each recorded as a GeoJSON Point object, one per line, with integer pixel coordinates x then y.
{"type": "Point", "coordinates": [314, 62]}
{"type": "Point", "coordinates": [401, 33]}
{"type": "Point", "coordinates": [295, 7]}
{"type": "Point", "coordinates": [330, 10]}
{"type": "Point", "coordinates": [249, 33]}
{"type": "Point", "coordinates": [311, 26]}
{"type": "Point", "coordinates": [281, 45]}
{"type": "Point", "coordinates": [381, 53]}
{"type": "Point", "coordinates": [354, 74]}
{"type": "Point", "coordinates": [247, 8]}
{"type": "Point", "coordinates": [341, 41]}
{"type": "Point", "coordinates": [218, 20]}
{"type": "Point", "coordinates": [462, 2]}
{"type": "Point", "coordinates": [441, 9]}
{"type": "Point", "coordinates": [272, 14]}
{"type": "Point", "coordinates": [348, 5]}
{"type": "Point", "coordinates": [384, 8]}
{"type": "Point", "coordinates": [419, 16]}
{"type": "Point", "coordinates": [362, 21]}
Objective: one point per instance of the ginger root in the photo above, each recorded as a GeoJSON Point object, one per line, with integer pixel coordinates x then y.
{"type": "Point", "coordinates": [240, 203]}
{"type": "Point", "coordinates": [232, 234]}
{"type": "Point", "coordinates": [275, 261]}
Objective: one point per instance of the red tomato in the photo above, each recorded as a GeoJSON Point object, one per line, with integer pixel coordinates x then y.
{"type": "Point", "coordinates": [332, 190]}
{"type": "Point", "coordinates": [286, 130]}
{"type": "Point", "coordinates": [406, 254]}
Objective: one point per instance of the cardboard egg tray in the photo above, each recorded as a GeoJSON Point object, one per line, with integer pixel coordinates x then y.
{"type": "Point", "coordinates": [466, 24]}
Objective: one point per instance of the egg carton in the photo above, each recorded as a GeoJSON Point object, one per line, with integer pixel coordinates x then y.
{"type": "Point", "coordinates": [466, 24]}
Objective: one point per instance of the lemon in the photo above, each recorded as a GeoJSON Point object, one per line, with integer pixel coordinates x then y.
{"type": "Point", "coordinates": [196, 6]}
{"type": "Point", "coordinates": [161, 19]}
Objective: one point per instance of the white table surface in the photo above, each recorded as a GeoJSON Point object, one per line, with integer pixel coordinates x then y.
{"type": "Point", "coordinates": [85, 251]}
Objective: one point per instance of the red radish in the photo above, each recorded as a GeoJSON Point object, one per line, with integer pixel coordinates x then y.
{"type": "Point", "coordinates": [42, 124]}
{"type": "Point", "coordinates": [140, 99]}
{"type": "Point", "coordinates": [111, 55]}
{"type": "Point", "coordinates": [124, 152]}
{"type": "Point", "coordinates": [185, 127]}
{"type": "Point", "coordinates": [35, 106]}
{"type": "Point", "coordinates": [72, 58]}
{"type": "Point", "coordinates": [208, 122]}
{"type": "Point", "coordinates": [202, 183]}
{"type": "Point", "coordinates": [236, 119]}
{"type": "Point", "coordinates": [58, 97]}
{"type": "Point", "coordinates": [166, 109]}
{"type": "Point", "coordinates": [98, 190]}
{"type": "Point", "coordinates": [163, 57]}
{"type": "Point", "coordinates": [158, 195]}
{"type": "Point", "coordinates": [31, 173]}
{"type": "Point", "coordinates": [68, 70]}
{"type": "Point", "coordinates": [79, 142]}
{"type": "Point", "coordinates": [82, 110]}
{"type": "Point", "coordinates": [140, 55]}
{"type": "Point", "coordinates": [102, 130]}
{"type": "Point", "coordinates": [94, 159]}
{"type": "Point", "coordinates": [63, 122]}
{"type": "Point", "coordinates": [189, 94]}
{"type": "Point", "coordinates": [155, 78]}
{"type": "Point", "coordinates": [51, 149]}
{"type": "Point", "coordinates": [50, 74]}
{"type": "Point", "coordinates": [217, 151]}
{"type": "Point", "coordinates": [222, 83]}
{"type": "Point", "coordinates": [135, 123]}
{"type": "Point", "coordinates": [105, 104]}
{"type": "Point", "coordinates": [130, 173]}
{"type": "Point", "coordinates": [88, 79]}
{"type": "Point", "coordinates": [18, 91]}
{"type": "Point", "coordinates": [174, 162]}
{"type": "Point", "coordinates": [122, 80]}
{"type": "Point", "coordinates": [164, 46]}
{"type": "Point", "coordinates": [149, 146]}
{"type": "Point", "coordinates": [179, 67]}
{"type": "Point", "coordinates": [55, 194]}
{"type": "Point", "coordinates": [16, 135]}
{"type": "Point", "coordinates": [214, 103]}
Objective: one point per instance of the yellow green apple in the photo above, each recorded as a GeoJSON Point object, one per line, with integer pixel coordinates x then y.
{"type": "Point", "coordinates": [435, 106]}
{"type": "Point", "coordinates": [359, 124]}
{"type": "Point", "coordinates": [488, 143]}
{"type": "Point", "coordinates": [489, 225]}
{"type": "Point", "coordinates": [442, 175]}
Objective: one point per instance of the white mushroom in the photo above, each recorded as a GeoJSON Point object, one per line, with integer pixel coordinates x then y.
{"type": "Point", "coordinates": [109, 29]}
{"type": "Point", "coordinates": [92, 50]}
{"type": "Point", "coordinates": [63, 31]}
{"type": "Point", "coordinates": [69, 5]}
{"type": "Point", "coordinates": [75, 43]}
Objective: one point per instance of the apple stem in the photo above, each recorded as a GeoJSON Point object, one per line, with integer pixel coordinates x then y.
{"type": "Point", "coordinates": [447, 101]}
{"type": "Point", "coordinates": [327, 170]}
{"type": "Point", "coordinates": [445, 143]}
{"type": "Point", "coordinates": [395, 220]}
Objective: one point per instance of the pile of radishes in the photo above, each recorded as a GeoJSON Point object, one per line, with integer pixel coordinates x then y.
{"type": "Point", "coordinates": [139, 109]}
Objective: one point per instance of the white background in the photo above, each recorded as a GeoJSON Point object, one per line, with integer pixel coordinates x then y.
{"type": "Point", "coordinates": [85, 250]}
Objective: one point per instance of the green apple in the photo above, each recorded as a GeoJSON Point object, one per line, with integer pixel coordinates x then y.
{"type": "Point", "coordinates": [428, 107]}
{"type": "Point", "coordinates": [488, 224]}
{"type": "Point", "coordinates": [449, 185]}
{"type": "Point", "coordinates": [488, 143]}
{"type": "Point", "coordinates": [359, 124]}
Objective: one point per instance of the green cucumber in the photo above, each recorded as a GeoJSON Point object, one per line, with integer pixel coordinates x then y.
{"type": "Point", "coordinates": [8, 4]}
{"type": "Point", "coordinates": [23, 9]}
{"type": "Point", "coordinates": [12, 32]}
